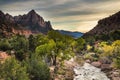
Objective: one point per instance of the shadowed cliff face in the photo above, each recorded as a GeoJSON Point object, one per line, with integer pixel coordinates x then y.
{"type": "Point", "coordinates": [106, 25]}
{"type": "Point", "coordinates": [26, 24]}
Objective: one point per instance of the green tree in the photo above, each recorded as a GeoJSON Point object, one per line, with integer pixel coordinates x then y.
{"type": "Point", "coordinates": [20, 42]}
{"type": "Point", "coordinates": [41, 39]}
{"type": "Point", "coordinates": [56, 36]}
{"type": "Point", "coordinates": [5, 45]}
{"type": "Point", "coordinates": [20, 45]}
{"type": "Point", "coordinates": [12, 69]}
{"type": "Point", "coordinates": [37, 69]}
{"type": "Point", "coordinates": [32, 43]}
{"type": "Point", "coordinates": [80, 44]}
{"type": "Point", "coordinates": [56, 45]}
{"type": "Point", "coordinates": [47, 49]}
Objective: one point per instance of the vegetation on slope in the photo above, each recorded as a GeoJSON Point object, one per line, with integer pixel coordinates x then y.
{"type": "Point", "coordinates": [31, 57]}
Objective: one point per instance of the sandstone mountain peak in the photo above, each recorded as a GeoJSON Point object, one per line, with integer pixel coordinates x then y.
{"type": "Point", "coordinates": [32, 12]}
{"type": "Point", "coordinates": [1, 12]}
{"type": "Point", "coordinates": [31, 23]}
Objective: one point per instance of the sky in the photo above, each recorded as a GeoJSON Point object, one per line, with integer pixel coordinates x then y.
{"type": "Point", "coordinates": [71, 15]}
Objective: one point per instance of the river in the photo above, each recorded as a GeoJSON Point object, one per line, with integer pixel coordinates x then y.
{"type": "Point", "coordinates": [89, 72]}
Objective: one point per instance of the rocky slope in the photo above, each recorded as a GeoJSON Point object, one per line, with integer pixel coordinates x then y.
{"type": "Point", "coordinates": [106, 25]}
{"type": "Point", "coordinates": [26, 24]}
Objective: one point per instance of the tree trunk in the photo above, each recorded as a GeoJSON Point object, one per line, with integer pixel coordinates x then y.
{"type": "Point", "coordinates": [54, 61]}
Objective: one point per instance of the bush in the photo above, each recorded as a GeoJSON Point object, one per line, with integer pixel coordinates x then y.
{"type": "Point", "coordinates": [117, 62]}
{"type": "Point", "coordinates": [91, 56]}
{"type": "Point", "coordinates": [12, 69]}
{"type": "Point", "coordinates": [4, 45]}
{"type": "Point", "coordinates": [37, 69]}
{"type": "Point", "coordinates": [107, 51]}
{"type": "Point", "coordinates": [88, 56]}
{"type": "Point", "coordinates": [112, 52]}
{"type": "Point", "coordinates": [79, 60]}
{"type": "Point", "coordinates": [20, 55]}
{"type": "Point", "coordinates": [20, 45]}
{"type": "Point", "coordinates": [116, 51]}
{"type": "Point", "coordinates": [80, 44]}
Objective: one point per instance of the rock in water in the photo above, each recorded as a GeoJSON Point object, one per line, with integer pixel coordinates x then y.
{"type": "Point", "coordinates": [89, 72]}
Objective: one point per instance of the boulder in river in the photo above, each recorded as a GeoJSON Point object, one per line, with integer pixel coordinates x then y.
{"type": "Point", "coordinates": [96, 64]}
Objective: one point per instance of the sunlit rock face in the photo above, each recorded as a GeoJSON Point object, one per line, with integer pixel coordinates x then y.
{"type": "Point", "coordinates": [31, 23]}
{"type": "Point", "coordinates": [89, 72]}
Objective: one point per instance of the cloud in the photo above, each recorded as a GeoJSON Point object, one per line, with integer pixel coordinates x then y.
{"type": "Point", "coordinates": [65, 14]}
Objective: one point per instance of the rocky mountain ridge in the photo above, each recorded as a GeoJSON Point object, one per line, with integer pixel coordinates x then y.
{"type": "Point", "coordinates": [26, 24]}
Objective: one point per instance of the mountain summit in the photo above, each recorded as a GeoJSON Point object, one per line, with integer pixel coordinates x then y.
{"type": "Point", "coordinates": [32, 12]}
{"type": "Point", "coordinates": [30, 23]}
{"type": "Point", "coordinates": [34, 22]}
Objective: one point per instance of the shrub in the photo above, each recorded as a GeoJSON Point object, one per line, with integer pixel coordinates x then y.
{"type": "Point", "coordinates": [37, 69]}
{"type": "Point", "coordinates": [116, 51]}
{"type": "Point", "coordinates": [91, 56]}
{"type": "Point", "coordinates": [12, 69]}
{"type": "Point", "coordinates": [4, 45]}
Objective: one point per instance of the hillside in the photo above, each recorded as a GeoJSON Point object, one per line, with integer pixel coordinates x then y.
{"type": "Point", "coordinates": [106, 25]}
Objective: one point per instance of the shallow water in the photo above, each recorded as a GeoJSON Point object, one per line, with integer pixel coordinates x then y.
{"type": "Point", "coordinates": [89, 72]}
